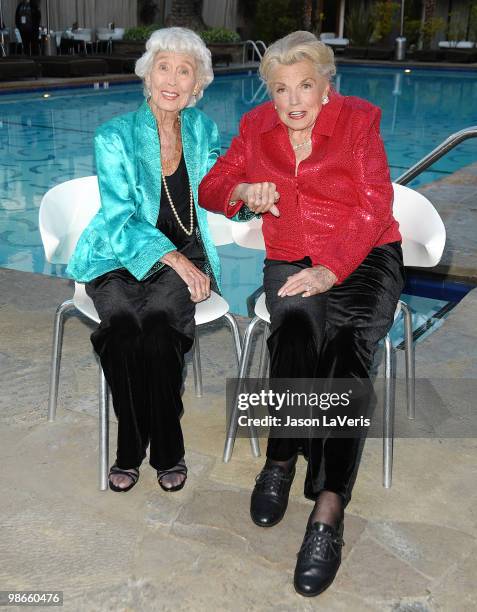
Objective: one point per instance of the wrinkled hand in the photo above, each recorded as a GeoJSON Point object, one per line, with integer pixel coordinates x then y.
{"type": "Point", "coordinates": [197, 282]}
{"type": "Point", "coordinates": [260, 198]}
{"type": "Point", "coordinates": [308, 282]}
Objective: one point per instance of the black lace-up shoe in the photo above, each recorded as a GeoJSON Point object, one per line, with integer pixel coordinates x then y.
{"type": "Point", "coordinates": [319, 558]}
{"type": "Point", "coordinates": [270, 495]}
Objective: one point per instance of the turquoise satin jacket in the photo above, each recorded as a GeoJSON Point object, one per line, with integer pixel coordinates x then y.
{"type": "Point", "coordinates": [123, 233]}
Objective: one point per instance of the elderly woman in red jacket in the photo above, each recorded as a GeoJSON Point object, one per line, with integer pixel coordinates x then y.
{"type": "Point", "coordinates": [312, 163]}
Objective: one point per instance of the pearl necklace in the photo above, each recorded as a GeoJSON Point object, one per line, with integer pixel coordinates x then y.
{"type": "Point", "coordinates": [181, 225]}
{"type": "Point", "coordinates": [191, 197]}
{"type": "Point", "coordinates": [302, 144]}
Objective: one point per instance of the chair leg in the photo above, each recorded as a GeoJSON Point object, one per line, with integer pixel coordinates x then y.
{"type": "Point", "coordinates": [264, 355]}
{"type": "Point", "coordinates": [232, 322]}
{"type": "Point", "coordinates": [103, 431]}
{"type": "Point", "coordinates": [254, 443]}
{"type": "Point", "coordinates": [196, 365]}
{"type": "Point", "coordinates": [388, 416]}
{"type": "Point", "coordinates": [233, 422]}
{"type": "Point", "coordinates": [410, 362]}
{"type": "Point", "coordinates": [56, 356]}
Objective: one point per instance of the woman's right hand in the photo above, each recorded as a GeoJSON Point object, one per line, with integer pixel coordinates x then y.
{"type": "Point", "coordinates": [260, 198]}
{"type": "Point", "coordinates": [195, 279]}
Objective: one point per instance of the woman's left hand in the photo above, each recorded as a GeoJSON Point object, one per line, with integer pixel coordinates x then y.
{"type": "Point", "coordinates": [308, 282]}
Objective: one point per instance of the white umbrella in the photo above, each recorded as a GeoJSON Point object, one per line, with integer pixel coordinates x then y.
{"type": "Point", "coordinates": [48, 15]}
{"type": "Point", "coordinates": [2, 25]}
{"type": "Point", "coordinates": [402, 17]}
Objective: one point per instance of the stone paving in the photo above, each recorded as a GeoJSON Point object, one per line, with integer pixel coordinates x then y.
{"type": "Point", "coordinates": [409, 548]}
{"type": "Point", "coordinates": [455, 197]}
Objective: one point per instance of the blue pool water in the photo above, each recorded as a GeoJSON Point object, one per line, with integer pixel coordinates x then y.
{"type": "Point", "coordinates": [47, 140]}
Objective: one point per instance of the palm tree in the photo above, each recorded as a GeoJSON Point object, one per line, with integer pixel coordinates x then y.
{"type": "Point", "coordinates": [430, 24]}
{"type": "Point", "coordinates": [186, 13]}
{"type": "Point", "coordinates": [307, 14]}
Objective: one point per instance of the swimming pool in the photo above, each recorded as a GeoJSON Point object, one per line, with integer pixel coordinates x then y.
{"type": "Point", "coordinates": [46, 138]}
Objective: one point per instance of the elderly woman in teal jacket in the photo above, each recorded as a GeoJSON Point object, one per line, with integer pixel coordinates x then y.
{"type": "Point", "coordinates": [147, 257]}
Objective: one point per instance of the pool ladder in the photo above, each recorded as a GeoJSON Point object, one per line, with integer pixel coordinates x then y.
{"type": "Point", "coordinates": [447, 145]}
{"type": "Point", "coordinates": [254, 44]}
{"type": "Point", "coordinates": [260, 94]}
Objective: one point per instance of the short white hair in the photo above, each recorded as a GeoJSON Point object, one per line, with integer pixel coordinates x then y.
{"type": "Point", "coordinates": [177, 40]}
{"type": "Point", "coordinates": [296, 47]}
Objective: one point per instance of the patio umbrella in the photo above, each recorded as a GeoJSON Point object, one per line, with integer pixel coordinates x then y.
{"type": "Point", "coordinates": [403, 2]}
{"type": "Point", "coordinates": [48, 16]}
{"type": "Point", "coordinates": [50, 48]}
{"type": "Point", "coordinates": [2, 25]}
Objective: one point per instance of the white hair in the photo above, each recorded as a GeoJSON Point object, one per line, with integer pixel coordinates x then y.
{"type": "Point", "coordinates": [295, 47]}
{"type": "Point", "coordinates": [177, 40]}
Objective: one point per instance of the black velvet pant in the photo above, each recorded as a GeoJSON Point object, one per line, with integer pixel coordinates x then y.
{"type": "Point", "coordinates": [146, 328]}
{"type": "Point", "coordinates": [331, 335]}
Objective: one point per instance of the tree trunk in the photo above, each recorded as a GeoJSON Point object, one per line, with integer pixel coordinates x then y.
{"type": "Point", "coordinates": [429, 8]}
{"type": "Point", "coordinates": [316, 16]}
{"type": "Point", "coordinates": [307, 12]}
{"type": "Point", "coordinates": [186, 13]}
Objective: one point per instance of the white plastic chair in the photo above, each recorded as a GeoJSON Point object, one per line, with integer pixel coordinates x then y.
{"type": "Point", "coordinates": [65, 211]}
{"type": "Point", "coordinates": [107, 35]}
{"type": "Point", "coordinates": [331, 39]}
{"type": "Point", "coordinates": [327, 36]}
{"type": "Point", "coordinates": [83, 35]}
{"type": "Point", "coordinates": [454, 44]}
{"type": "Point", "coordinates": [423, 240]}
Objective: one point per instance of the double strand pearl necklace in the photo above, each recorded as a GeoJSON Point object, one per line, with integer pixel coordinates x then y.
{"type": "Point", "coordinates": [188, 232]}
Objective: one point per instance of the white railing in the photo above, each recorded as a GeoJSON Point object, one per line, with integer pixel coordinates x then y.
{"type": "Point", "coordinates": [254, 44]}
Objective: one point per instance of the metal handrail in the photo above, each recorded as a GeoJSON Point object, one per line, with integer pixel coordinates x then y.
{"type": "Point", "coordinates": [447, 145]}
{"type": "Point", "coordinates": [253, 44]}
{"type": "Point", "coordinates": [259, 95]}
{"type": "Point", "coordinates": [260, 42]}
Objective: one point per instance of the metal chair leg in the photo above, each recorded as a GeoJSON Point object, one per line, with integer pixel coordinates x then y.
{"type": "Point", "coordinates": [56, 356]}
{"type": "Point", "coordinates": [196, 365]}
{"type": "Point", "coordinates": [232, 322]}
{"type": "Point", "coordinates": [264, 355]}
{"type": "Point", "coordinates": [410, 362]}
{"type": "Point", "coordinates": [103, 431]}
{"type": "Point", "coordinates": [233, 422]}
{"type": "Point", "coordinates": [388, 415]}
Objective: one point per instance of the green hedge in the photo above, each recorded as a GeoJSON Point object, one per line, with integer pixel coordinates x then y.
{"type": "Point", "coordinates": [141, 32]}
{"type": "Point", "coordinates": [214, 35]}
{"type": "Point", "coordinates": [219, 35]}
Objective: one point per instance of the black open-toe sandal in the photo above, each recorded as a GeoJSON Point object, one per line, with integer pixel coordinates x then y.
{"type": "Point", "coordinates": [180, 468]}
{"type": "Point", "coordinates": [133, 475]}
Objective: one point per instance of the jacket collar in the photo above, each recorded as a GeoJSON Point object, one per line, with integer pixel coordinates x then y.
{"type": "Point", "coordinates": [146, 117]}
{"type": "Point", "coordinates": [325, 123]}
{"type": "Point", "coordinates": [148, 154]}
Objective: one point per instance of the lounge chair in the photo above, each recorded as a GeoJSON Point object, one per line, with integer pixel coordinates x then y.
{"type": "Point", "coordinates": [380, 53]}
{"type": "Point", "coordinates": [12, 68]}
{"type": "Point", "coordinates": [119, 64]}
{"type": "Point", "coordinates": [462, 56]}
{"type": "Point", "coordinates": [65, 67]}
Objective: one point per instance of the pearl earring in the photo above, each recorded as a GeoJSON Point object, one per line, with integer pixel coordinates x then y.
{"type": "Point", "coordinates": [325, 99]}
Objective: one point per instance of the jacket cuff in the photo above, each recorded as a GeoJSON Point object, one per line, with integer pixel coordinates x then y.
{"type": "Point", "coordinates": [230, 210]}
{"type": "Point", "coordinates": [145, 264]}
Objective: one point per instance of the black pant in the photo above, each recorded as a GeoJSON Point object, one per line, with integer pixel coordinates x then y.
{"type": "Point", "coordinates": [331, 335]}
{"type": "Point", "coordinates": [146, 328]}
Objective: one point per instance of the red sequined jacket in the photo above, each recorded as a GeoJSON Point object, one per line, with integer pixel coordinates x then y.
{"type": "Point", "coordinates": [338, 206]}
